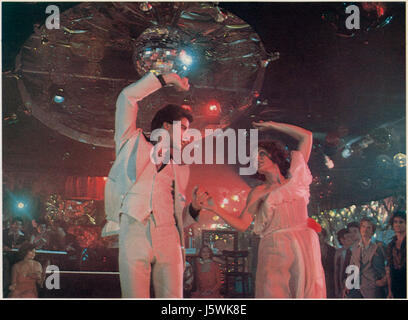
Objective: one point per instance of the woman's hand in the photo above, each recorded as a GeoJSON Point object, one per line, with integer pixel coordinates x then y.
{"type": "Point", "coordinates": [304, 137]}
{"type": "Point", "coordinates": [181, 84]}
{"type": "Point", "coordinates": [381, 283]}
{"type": "Point", "coordinates": [262, 125]}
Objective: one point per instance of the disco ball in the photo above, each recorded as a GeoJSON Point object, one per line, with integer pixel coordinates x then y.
{"type": "Point", "coordinates": [400, 160]}
{"type": "Point", "coordinates": [162, 50]}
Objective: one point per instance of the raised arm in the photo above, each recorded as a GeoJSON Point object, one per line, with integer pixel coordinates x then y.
{"type": "Point", "coordinates": [126, 106]}
{"type": "Point", "coordinates": [304, 136]}
{"type": "Point", "coordinates": [127, 102]}
{"type": "Point", "coordinates": [242, 222]}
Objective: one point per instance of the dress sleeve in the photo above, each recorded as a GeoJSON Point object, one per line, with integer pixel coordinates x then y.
{"type": "Point", "coordinates": [297, 187]}
{"type": "Point", "coordinates": [299, 170]}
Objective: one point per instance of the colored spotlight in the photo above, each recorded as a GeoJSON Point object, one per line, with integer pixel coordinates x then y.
{"type": "Point", "coordinates": [20, 205]}
{"type": "Point", "coordinates": [346, 153]}
{"type": "Point", "coordinates": [59, 99]}
{"type": "Point", "coordinates": [185, 58]}
{"type": "Point", "coordinates": [213, 108]}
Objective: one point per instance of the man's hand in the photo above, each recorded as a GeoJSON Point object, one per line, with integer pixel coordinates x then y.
{"type": "Point", "coordinates": [174, 79]}
{"type": "Point", "coordinates": [201, 198]}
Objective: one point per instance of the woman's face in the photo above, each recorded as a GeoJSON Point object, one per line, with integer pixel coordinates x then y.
{"type": "Point", "coordinates": [206, 253]}
{"type": "Point", "coordinates": [31, 254]}
{"type": "Point", "coordinates": [399, 225]}
{"type": "Point", "coordinates": [265, 164]}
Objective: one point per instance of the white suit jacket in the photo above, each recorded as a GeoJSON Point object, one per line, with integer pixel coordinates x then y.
{"type": "Point", "coordinates": [132, 154]}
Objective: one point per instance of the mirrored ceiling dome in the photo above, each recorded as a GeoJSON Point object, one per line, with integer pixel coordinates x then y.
{"type": "Point", "coordinates": [69, 78]}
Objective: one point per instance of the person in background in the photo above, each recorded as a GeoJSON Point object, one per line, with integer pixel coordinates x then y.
{"type": "Point", "coordinates": [39, 237]}
{"type": "Point", "coordinates": [370, 259]}
{"type": "Point", "coordinates": [397, 257]}
{"type": "Point", "coordinates": [208, 275]}
{"type": "Point", "coordinates": [57, 236]}
{"type": "Point", "coordinates": [342, 260]}
{"type": "Point", "coordinates": [26, 274]}
{"type": "Point", "coordinates": [14, 236]}
{"type": "Point", "coordinates": [327, 252]}
{"type": "Point", "coordinates": [354, 229]}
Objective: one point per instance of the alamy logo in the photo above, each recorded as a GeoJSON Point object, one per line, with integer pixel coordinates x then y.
{"type": "Point", "coordinates": [52, 281]}
{"type": "Point", "coordinates": [192, 152]}
{"type": "Point", "coordinates": [353, 21]}
{"type": "Point", "coordinates": [52, 21]}
{"type": "Point", "coordinates": [353, 280]}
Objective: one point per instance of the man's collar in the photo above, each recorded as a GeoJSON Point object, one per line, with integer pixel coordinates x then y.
{"type": "Point", "coordinates": [361, 243]}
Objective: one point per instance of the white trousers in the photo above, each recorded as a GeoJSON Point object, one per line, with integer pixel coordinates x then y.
{"type": "Point", "coordinates": [148, 251]}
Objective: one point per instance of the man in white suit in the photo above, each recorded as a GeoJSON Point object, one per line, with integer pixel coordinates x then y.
{"type": "Point", "coordinates": [144, 200]}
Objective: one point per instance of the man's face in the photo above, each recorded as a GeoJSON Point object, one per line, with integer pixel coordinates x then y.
{"type": "Point", "coordinates": [355, 234]}
{"type": "Point", "coordinates": [176, 136]}
{"type": "Point", "coordinates": [17, 225]}
{"type": "Point", "coordinates": [348, 240]}
{"type": "Point", "coordinates": [366, 230]}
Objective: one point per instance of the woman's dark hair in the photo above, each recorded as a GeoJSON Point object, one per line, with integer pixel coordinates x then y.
{"type": "Point", "coordinates": [201, 251]}
{"type": "Point", "coordinates": [25, 248]}
{"type": "Point", "coordinates": [170, 113]}
{"type": "Point", "coordinates": [278, 155]}
{"type": "Point", "coordinates": [398, 214]}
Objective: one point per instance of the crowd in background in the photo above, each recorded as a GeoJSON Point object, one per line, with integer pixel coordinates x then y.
{"type": "Point", "coordinates": [43, 235]}
{"type": "Point", "coordinates": [360, 268]}
{"type": "Point", "coordinates": [363, 267]}
{"type": "Point", "coordinates": [21, 239]}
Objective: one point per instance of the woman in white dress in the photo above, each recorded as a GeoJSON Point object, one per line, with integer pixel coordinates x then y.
{"type": "Point", "coordinates": [289, 263]}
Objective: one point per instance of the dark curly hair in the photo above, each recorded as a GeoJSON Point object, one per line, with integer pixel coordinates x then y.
{"type": "Point", "coordinates": [399, 214]}
{"type": "Point", "coordinates": [25, 248]}
{"type": "Point", "coordinates": [278, 155]}
{"type": "Point", "coordinates": [170, 113]}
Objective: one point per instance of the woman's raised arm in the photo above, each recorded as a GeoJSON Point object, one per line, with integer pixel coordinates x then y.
{"type": "Point", "coordinates": [305, 137]}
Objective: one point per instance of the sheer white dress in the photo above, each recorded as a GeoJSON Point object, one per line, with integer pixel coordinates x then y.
{"type": "Point", "coordinates": [289, 262]}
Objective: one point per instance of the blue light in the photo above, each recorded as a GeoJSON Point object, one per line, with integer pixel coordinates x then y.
{"type": "Point", "coordinates": [185, 58]}
{"type": "Point", "coordinates": [59, 99]}
{"type": "Point", "coordinates": [346, 153]}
